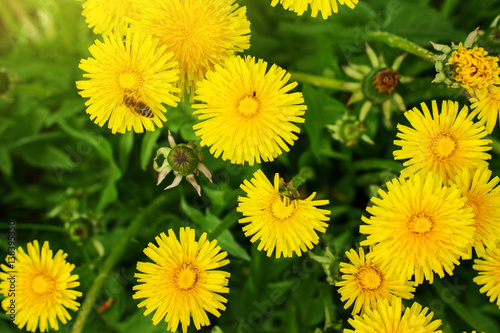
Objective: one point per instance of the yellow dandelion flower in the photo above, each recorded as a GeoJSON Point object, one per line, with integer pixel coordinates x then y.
{"type": "Point", "coordinates": [106, 16]}
{"type": "Point", "coordinates": [129, 79]}
{"type": "Point", "coordinates": [389, 317]}
{"type": "Point", "coordinates": [418, 227]}
{"type": "Point", "coordinates": [365, 282]}
{"type": "Point", "coordinates": [201, 33]}
{"type": "Point", "coordinates": [489, 274]}
{"type": "Point", "coordinates": [442, 143]}
{"type": "Point", "coordinates": [324, 6]}
{"type": "Point", "coordinates": [279, 223]}
{"type": "Point", "coordinates": [37, 287]}
{"type": "Point", "coordinates": [183, 281]}
{"type": "Point", "coordinates": [246, 114]}
{"type": "Point", "coordinates": [473, 68]}
{"type": "Point", "coordinates": [487, 105]}
{"type": "Point", "coordinates": [484, 199]}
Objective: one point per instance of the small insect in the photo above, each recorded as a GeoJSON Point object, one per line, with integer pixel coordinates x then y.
{"type": "Point", "coordinates": [138, 107]}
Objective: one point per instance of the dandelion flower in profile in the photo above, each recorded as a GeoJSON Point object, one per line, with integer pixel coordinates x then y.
{"type": "Point", "coordinates": [489, 274]}
{"type": "Point", "coordinates": [365, 282]}
{"type": "Point", "coordinates": [484, 199]}
{"type": "Point", "coordinates": [281, 223]}
{"type": "Point", "coordinates": [388, 317]}
{"type": "Point", "coordinates": [473, 68]}
{"type": "Point", "coordinates": [43, 286]}
{"type": "Point", "coordinates": [106, 16]}
{"type": "Point", "coordinates": [418, 227]}
{"type": "Point", "coordinates": [129, 79]}
{"type": "Point", "coordinates": [487, 105]}
{"type": "Point", "coordinates": [200, 33]}
{"type": "Point", "coordinates": [246, 114]}
{"type": "Point", "coordinates": [442, 143]}
{"type": "Point", "coordinates": [324, 6]}
{"type": "Point", "coordinates": [183, 281]}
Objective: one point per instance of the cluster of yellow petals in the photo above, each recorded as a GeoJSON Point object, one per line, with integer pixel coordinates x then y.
{"type": "Point", "coordinates": [473, 68]}
{"type": "Point", "coordinates": [326, 7]}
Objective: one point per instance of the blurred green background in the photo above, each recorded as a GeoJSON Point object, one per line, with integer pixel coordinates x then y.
{"type": "Point", "coordinates": [66, 180]}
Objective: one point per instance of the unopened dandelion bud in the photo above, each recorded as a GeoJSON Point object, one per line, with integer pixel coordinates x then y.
{"type": "Point", "coordinates": [184, 159]}
{"type": "Point", "coordinates": [379, 84]}
{"type": "Point", "coordinates": [348, 130]}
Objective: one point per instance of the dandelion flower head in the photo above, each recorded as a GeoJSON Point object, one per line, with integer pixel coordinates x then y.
{"type": "Point", "coordinates": [247, 111]}
{"type": "Point", "coordinates": [488, 278]}
{"type": "Point", "coordinates": [473, 68]}
{"type": "Point", "coordinates": [279, 223]}
{"type": "Point", "coordinates": [388, 317]}
{"type": "Point", "coordinates": [442, 142]}
{"type": "Point", "coordinates": [183, 281]}
{"type": "Point", "coordinates": [107, 16]}
{"type": "Point", "coordinates": [418, 227]}
{"type": "Point", "coordinates": [43, 287]}
{"type": "Point", "coordinates": [484, 199]}
{"type": "Point", "coordinates": [326, 7]}
{"type": "Point", "coordinates": [486, 104]}
{"type": "Point", "coordinates": [128, 80]}
{"type": "Point", "coordinates": [200, 33]}
{"type": "Point", "coordinates": [365, 282]}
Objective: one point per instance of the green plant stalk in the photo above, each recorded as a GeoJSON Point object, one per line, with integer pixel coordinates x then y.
{"type": "Point", "coordinates": [304, 174]}
{"type": "Point", "coordinates": [448, 7]}
{"type": "Point", "coordinates": [459, 308]}
{"type": "Point", "coordinates": [110, 262]}
{"type": "Point", "coordinates": [320, 81]}
{"type": "Point", "coordinates": [403, 44]}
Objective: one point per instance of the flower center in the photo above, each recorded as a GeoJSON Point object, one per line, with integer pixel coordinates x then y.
{"type": "Point", "coordinates": [443, 146]}
{"type": "Point", "coordinates": [281, 208]}
{"type": "Point", "coordinates": [420, 224]}
{"type": "Point", "coordinates": [129, 81]}
{"type": "Point", "coordinates": [386, 80]}
{"type": "Point", "coordinates": [186, 277]}
{"type": "Point", "coordinates": [43, 284]}
{"type": "Point", "coordinates": [248, 106]}
{"type": "Point", "coordinates": [369, 278]}
{"type": "Point", "coordinates": [183, 159]}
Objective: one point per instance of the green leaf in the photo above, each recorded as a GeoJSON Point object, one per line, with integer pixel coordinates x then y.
{"type": "Point", "coordinates": [211, 222]}
{"type": "Point", "coordinates": [5, 162]}
{"type": "Point", "coordinates": [68, 108]}
{"type": "Point", "coordinates": [95, 138]}
{"type": "Point", "coordinates": [321, 110]}
{"type": "Point", "coordinates": [147, 147]}
{"type": "Point", "coordinates": [46, 156]}
{"type": "Point", "coordinates": [126, 145]}
{"type": "Point", "coordinates": [421, 24]}
{"type": "Point", "coordinates": [109, 194]}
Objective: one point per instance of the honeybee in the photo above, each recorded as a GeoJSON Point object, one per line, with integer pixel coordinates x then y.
{"type": "Point", "coordinates": [138, 107]}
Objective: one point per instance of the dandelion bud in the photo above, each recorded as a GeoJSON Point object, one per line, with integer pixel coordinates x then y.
{"type": "Point", "coordinates": [184, 159]}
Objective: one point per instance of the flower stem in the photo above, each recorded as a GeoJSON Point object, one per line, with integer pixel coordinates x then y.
{"type": "Point", "coordinates": [304, 174]}
{"type": "Point", "coordinates": [324, 82]}
{"type": "Point", "coordinates": [110, 262]}
{"type": "Point", "coordinates": [448, 7]}
{"type": "Point", "coordinates": [403, 44]}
